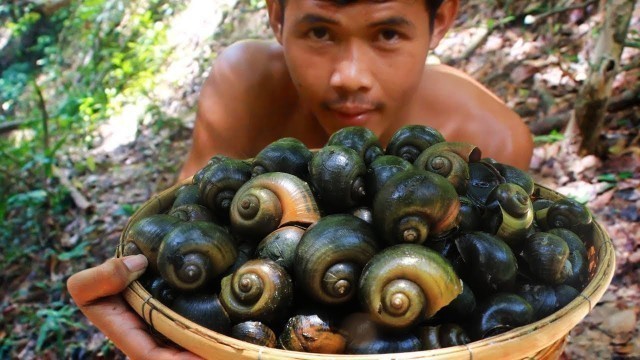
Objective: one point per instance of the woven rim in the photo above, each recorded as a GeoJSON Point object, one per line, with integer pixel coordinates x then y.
{"type": "Point", "coordinates": [542, 339]}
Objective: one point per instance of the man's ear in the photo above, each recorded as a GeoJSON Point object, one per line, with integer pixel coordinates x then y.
{"type": "Point", "coordinates": [445, 16]}
{"type": "Point", "coordinates": [276, 18]}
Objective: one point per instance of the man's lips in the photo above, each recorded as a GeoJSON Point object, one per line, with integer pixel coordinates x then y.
{"type": "Point", "coordinates": [352, 110]}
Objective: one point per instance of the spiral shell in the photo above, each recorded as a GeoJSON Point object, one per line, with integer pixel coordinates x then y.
{"type": "Point", "coordinates": [510, 214]}
{"type": "Point", "coordinates": [254, 332]}
{"type": "Point", "coordinates": [271, 200]}
{"type": "Point", "coordinates": [145, 236]}
{"type": "Point", "coordinates": [310, 333]}
{"type": "Point", "coordinates": [548, 258]}
{"type": "Point", "coordinates": [360, 139]}
{"type": "Point", "coordinates": [288, 155]}
{"type": "Point", "coordinates": [500, 313]}
{"type": "Point", "coordinates": [280, 246]}
{"type": "Point", "coordinates": [218, 185]}
{"type": "Point", "coordinates": [442, 336]}
{"type": "Point", "coordinates": [382, 169]}
{"type": "Point", "coordinates": [405, 284]}
{"type": "Point", "coordinates": [450, 160]}
{"type": "Point", "coordinates": [411, 140]}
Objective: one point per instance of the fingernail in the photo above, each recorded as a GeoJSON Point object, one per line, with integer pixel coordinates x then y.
{"type": "Point", "coordinates": [135, 262]}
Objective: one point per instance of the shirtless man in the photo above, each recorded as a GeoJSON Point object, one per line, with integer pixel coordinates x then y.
{"type": "Point", "coordinates": [336, 63]}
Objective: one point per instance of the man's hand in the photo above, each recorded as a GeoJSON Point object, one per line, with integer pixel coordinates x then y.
{"type": "Point", "coordinates": [96, 291]}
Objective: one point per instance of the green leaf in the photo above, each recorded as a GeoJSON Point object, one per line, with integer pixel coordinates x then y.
{"type": "Point", "coordinates": [91, 163]}
{"type": "Point", "coordinates": [77, 252]}
{"type": "Point", "coordinates": [607, 177]}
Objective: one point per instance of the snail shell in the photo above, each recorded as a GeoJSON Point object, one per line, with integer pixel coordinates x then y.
{"type": "Point", "coordinates": [192, 212]}
{"type": "Point", "coordinates": [578, 258]}
{"type": "Point", "coordinates": [450, 160]}
{"type": "Point", "coordinates": [413, 205]}
{"type": "Point", "coordinates": [260, 290]}
{"type": "Point", "coordinates": [569, 214]}
{"type": "Point", "coordinates": [442, 336]}
{"type": "Point", "coordinates": [203, 309]}
{"type": "Point", "coordinates": [271, 200]}
{"type": "Point", "coordinates": [331, 255]}
{"type": "Point", "coordinates": [545, 299]}
{"type": "Point", "coordinates": [364, 336]}
{"type": "Point", "coordinates": [280, 246]}
{"type": "Point", "coordinates": [360, 139]}
{"type": "Point", "coordinates": [382, 169]}
{"type": "Point", "coordinates": [364, 213]}
{"type": "Point", "coordinates": [411, 140]}
{"type": "Point", "coordinates": [337, 174]}
{"type": "Point", "coordinates": [187, 194]}
{"type": "Point", "coordinates": [162, 291]}
{"type": "Point", "coordinates": [216, 159]}
{"type": "Point", "coordinates": [469, 215]}
{"type": "Point", "coordinates": [145, 236]}
{"type": "Point", "coordinates": [219, 184]}
{"type": "Point", "coordinates": [510, 214]}
{"type": "Point", "coordinates": [288, 155]}
{"type": "Point", "coordinates": [500, 313]}
{"type": "Point", "coordinates": [513, 175]}
{"type": "Point", "coordinates": [254, 332]}
{"type": "Point", "coordinates": [194, 253]}
{"type": "Point", "coordinates": [405, 284]}
{"type": "Point", "coordinates": [309, 333]}
{"type": "Point", "coordinates": [483, 178]}
{"type": "Point", "coordinates": [547, 256]}
{"type": "Point", "coordinates": [460, 307]}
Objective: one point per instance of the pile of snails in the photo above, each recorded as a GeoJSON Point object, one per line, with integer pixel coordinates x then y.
{"type": "Point", "coordinates": [357, 249]}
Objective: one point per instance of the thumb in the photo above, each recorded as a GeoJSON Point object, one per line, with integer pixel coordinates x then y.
{"type": "Point", "coordinates": [107, 279]}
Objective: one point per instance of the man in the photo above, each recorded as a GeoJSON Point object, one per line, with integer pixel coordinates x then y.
{"type": "Point", "coordinates": [335, 64]}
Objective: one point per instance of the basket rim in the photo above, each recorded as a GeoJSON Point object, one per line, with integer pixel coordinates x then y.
{"type": "Point", "coordinates": [148, 307]}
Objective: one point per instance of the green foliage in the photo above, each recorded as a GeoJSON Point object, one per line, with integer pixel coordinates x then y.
{"type": "Point", "coordinates": [553, 136]}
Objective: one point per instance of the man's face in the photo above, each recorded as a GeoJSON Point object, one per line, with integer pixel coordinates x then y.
{"type": "Point", "coordinates": [356, 64]}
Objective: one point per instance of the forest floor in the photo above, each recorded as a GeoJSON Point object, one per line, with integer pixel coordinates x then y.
{"type": "Point", "coordinates": [536, 69]}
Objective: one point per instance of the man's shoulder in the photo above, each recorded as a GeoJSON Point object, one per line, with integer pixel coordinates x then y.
{"type": "Point", "coordinates": [253, 61]}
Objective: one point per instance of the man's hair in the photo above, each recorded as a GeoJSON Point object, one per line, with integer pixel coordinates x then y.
{"type": "Point", "coordinates": [432, 6]}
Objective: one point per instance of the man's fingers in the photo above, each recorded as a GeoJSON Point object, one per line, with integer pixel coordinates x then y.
{"type": "Point", "coordinates": [106, 279]}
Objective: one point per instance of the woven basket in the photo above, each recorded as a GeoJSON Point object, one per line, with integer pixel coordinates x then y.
{"type": "Point", "coordinates": [543, 339]}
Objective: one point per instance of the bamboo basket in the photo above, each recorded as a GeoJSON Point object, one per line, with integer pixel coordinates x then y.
{"type": "Point", "coordinates": [543, 339]}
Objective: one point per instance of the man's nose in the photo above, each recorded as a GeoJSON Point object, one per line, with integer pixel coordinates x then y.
{"type": "Point", "coordinates": [351, 72]}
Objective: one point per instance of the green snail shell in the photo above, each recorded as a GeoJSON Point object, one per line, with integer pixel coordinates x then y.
{"type": "Point", "coordinates": [469, 215]}
{"type": "Point", "coordinates": [450, 160]}
{"type": "Point", "coordinates": [569, 214]}
{"type": "Point", "coordinates": [500, 313]}
{"type": "Point", "coordinates": [382, 169]}
{"type": "Point", "coordinates": [310, 333]}
{"type": "Point", "coordinates": [254, 332]}
{"type": "Point", "coordinates": [510, 214]}
{"type": "Point", "coordinates": [280, 246]}
{"type": "Point", "coordinates": [216, 159]}
{"type": "Point", "coordinates": [203, 309]}
{"type": "Point", "coordinates": [489, 262]}
{"type": "Point", "coordinates": [442, 336]}
{"type": "Point", "coordinates": [411, 140]}
{"type": "Point", "coordinates": [260, 290]}
{"type": "Point", "coordinates": [548, 258]}
{"type": "Point", "coordinates": [331, 255]}
{"type": "Point", "coordinates": [578, 258]}
{"type": "Point", "coordinates": [161, 290]}
{"type": "Point", "coordinates": [337, 174]}
{"type": "Point", "coordinates": [413, 205]}
{"type": "Point", "coordinates": [187, 194]}
{"type": "Point", "coordinates": [364, 336]}
{"type": "Point", "coordinates": [192, 212]}
{"type": "Point", "coordinates": [219, 184]}
{"type": "Point", "coordinates": [360, 139]}
{"type": "Point", "coordinates": [405, 284]}
{"type": "Point", "coordinates": [288, 155]}
{"type": "Point", "coordinates": [145, 236]}
{"type": "Point", "coordinates": [271, 200]}
{"type": "Point", "coordinates": [194, 253]}
{"type": "Point", "coordinates": [513, 175]}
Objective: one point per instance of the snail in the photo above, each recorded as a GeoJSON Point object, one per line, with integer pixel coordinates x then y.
{"type": "Point", "coordinates": [364, 336]}
{"type": "Point", "coordinates": [578, 258]}
{"type": "Point", "coordinates": [331, 255]}
{"type": "Point", "coordinates": [405, 284]}
{"type": "Point", "coordinates": [450, 160]}
{"type": "Point", "coordinates": [161, 290]}
{"type": "Point", "coordinates": [460, 307]}
{"type": "Point", "coordinates": [483, 178]}
{"type": "Point", "coordinates": [146, 234]}
{"type": "Point", "coordinates": [271, 200]}
{"type": "Point", "coordinates": [411, 140]}
{"type": "Point", "coordinates": [442, 336]}
{"type": "Point", "coordinates": [509, 214]}
{"type": "Point", "coordinates": [216, 159]}
{"type": "Point", "coordinates": [513, 175]}
{"type": "Point", "coordinates": [203, 309]}
{"type": "Point", "coordinates": [280, 246]}
{"type": "Point", "coordinates": [194, 253]}
{"type": "Point", "coordinates": [310, 333]}
{"type": "Point", "coordinates": [566, 213]}
{"type": "Point", "coordinates": [500, 313]}
{"type": "Point", "coordinates": [489, 262]}
{"type": "Point", "coordinates": [254, 332]}
{"type": "Point", "coordinates": [187, 194]}
{"type": "Point", "coordinates": [192, 212]}
{"type": "Point", "coordinates": [413, 205]}
{"type": "Point", "coordinates": [288, 155]}
{"type": "Point", "coordinates": [260, 290]}
{"type": "Point", "coordinates": [219, 184]}
{"type": "Point", "coordinates": [469, 215]}
{"type": "Point", "coordinates": [360, 139]}
{"type": "Point", "coordinates": [245, 250]}
{"type": "Point", "coordinates": [547, 256]}
{"type": "Point", "coordinates": [364, 213]}
{"type": "Point", "coordinates": [382, 169]}
{"type": "Point", "coordinates": [546, 299]}
{"type": "Point", "coordinates": [337, 174]}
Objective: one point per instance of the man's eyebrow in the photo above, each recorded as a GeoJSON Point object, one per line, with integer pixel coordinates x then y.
{"type": "Point", "coordinates": [392, 22]}
{"type": "Point", "coordinates": [316, 19]}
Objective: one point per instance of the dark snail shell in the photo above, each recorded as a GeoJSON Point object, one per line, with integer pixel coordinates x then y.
{"type": "Point", "coordinates": [569, 214]}
{"type": "Point", "coordinates": [547, 256]}
{"type": "Point", "coordinates": [245, 250]}
{"type": "Point", "coordinates": [500, 313]}
{"type": "Point", "coordinates": [490, 263]}
{"type": "Point", "coordinates": [192, 212]}
{"type": "Point", "coordinates": [194, 253]}
{"type": "Point", "coordinates": [360, 139]}
{"type": "Point", "coordinates": [364, 213]}
{"type": "Point", "coordinates": [450, 160]}
{"type": "Point", "coordinates": [578, 258]}
{"type": "Point", "coordinates": [145, 236]}
{"type": "Point", "coordinates": [197, 177]}
{"type": "Point", "coordinates": [483, 178]}
{"type": "Point", "coordinates": [203, 309]}
{"type": "Point", "coordinates": [469, 215]}
{"type": "Point", "coordinates": [460, 307]}
{"type": "Point", "coordinates": [510, 214]}
{"type": "Point", "coordinates": [220, 183]}
{"type": "Point", "coordinates": [260, 290]}
{"type": "Point", "coordinates": [288, 155]}
{"type": "Point", "coordinates": [337, 174]}
{"type": "Point", "coordinates": [513, 175]}
{"type": "Point", "coordinates": [442, 336]}
{"type": "Point", "coordinates": [331, 255]}
{"type": "Point", "coordinates": [187, 194]}
{"type": "Point", "coordinates": [254, 332]}
{"type": "Point", "coordinates": [405, 284]}
{"type": "Point", "coordinates": [271, 200]}
{"type": "Point", "coordinates": [364, 336]}
{"type": "Point", "coordinates": [310, 333]}
{"type": "Point", "coordinates": [546, 299]}
{"type": "Point", "coordinates": [411, 140]}
{"type": "Point", "coordinates": [413, 205]}
{"type": "Point", "coordinates": [382, 169]}
{"type": "Point", "coordinates": [280, 246]}
{"type": "Point", "coordinates": [162, 291]}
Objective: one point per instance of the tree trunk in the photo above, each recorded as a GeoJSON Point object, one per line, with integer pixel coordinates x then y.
{"type": "Point", "coordinates": [593, 98]}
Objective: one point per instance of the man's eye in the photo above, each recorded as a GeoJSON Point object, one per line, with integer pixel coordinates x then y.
{"type": "Point", "coordinates": [319, 34]}
{"type": "Point", "coordinates": [389, 35]}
